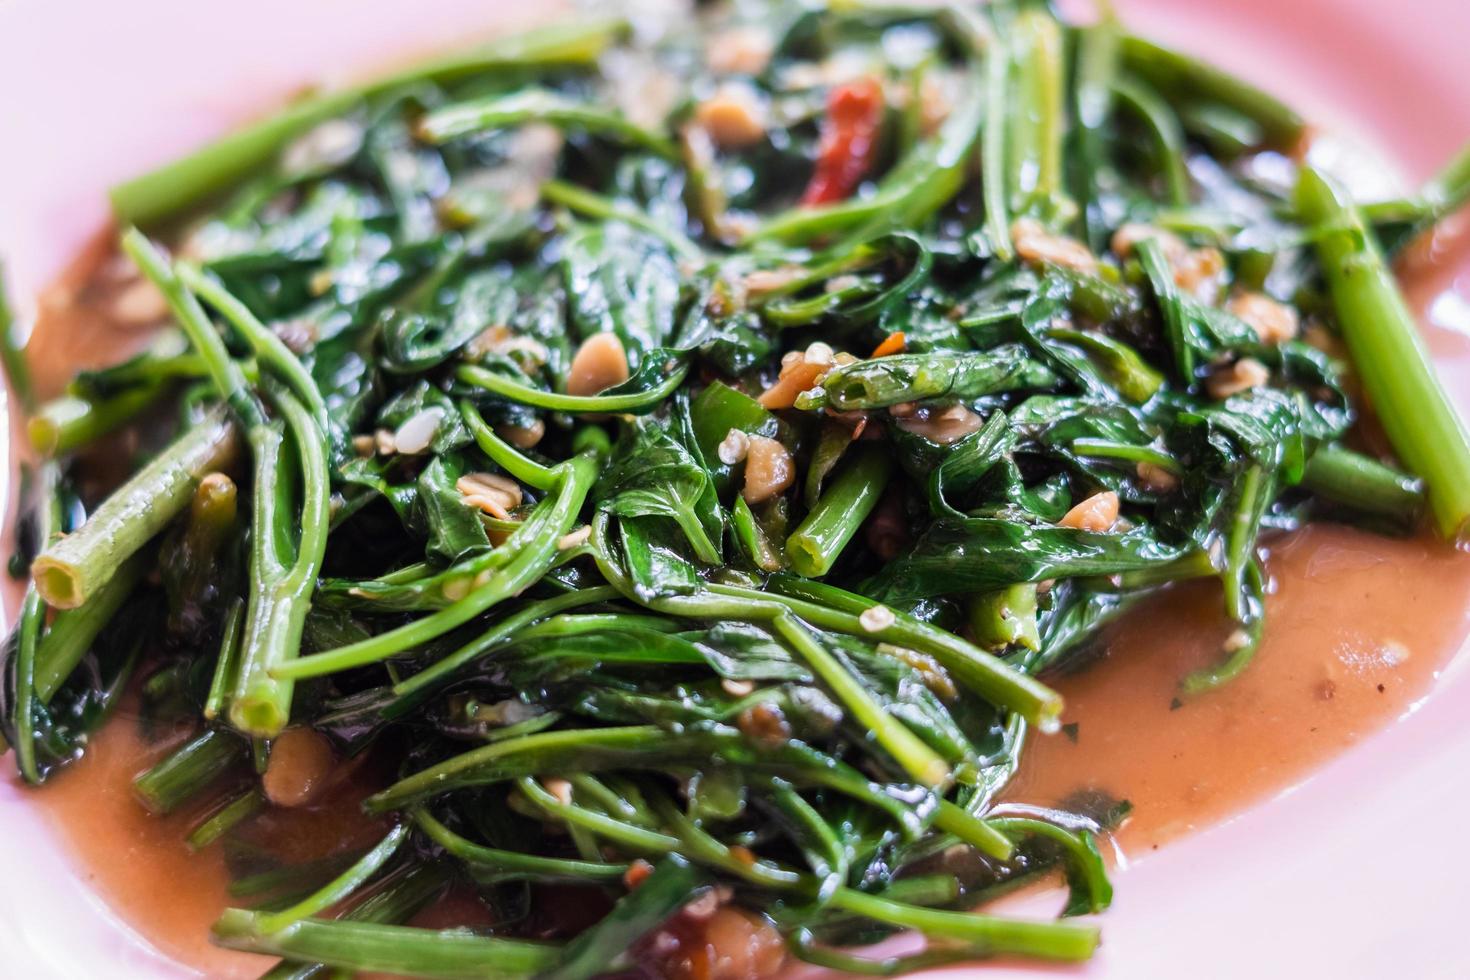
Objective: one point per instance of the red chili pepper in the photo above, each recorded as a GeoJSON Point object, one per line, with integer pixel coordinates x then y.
{"type": "Point", "coordinates": [849, 141]}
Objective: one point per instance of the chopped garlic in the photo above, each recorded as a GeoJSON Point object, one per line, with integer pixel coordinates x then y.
{"type": "Point", "coordinates": [876, 619]}
{"type": "Point", "coordinates": [733, 447]}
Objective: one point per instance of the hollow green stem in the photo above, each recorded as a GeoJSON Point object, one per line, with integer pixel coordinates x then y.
{"type": "Point", "coordinates": [1240, 541]}
{"type": "Point", "coordinates": [12, 354]}
{"type": "Point", "coordinates": [539, 105]}
{"type": "Point", "coordinates": [1006, 617]}
{"type": "Point", "coordinates": [1096, 70]}
{"type": "Point", "coordinates": [848, 500]}
{"type": "Point", "coordinates": [498, 635]}
{"type": "Point", "coordinates": [403, 895]}
{"type": "Point", "coordinates": [988, 676]}
{"type": "Point", "coordinates": [73, 630]}
{"type": "Point", "coordinates": [1390, 355]}
{"type": "Point", "coordinates": [493, 865]}
{"type": "Point", "coordinates": [1240, 648]}
{"type": "Point", "coordinates": [71, 570]}
{"type": "Point", "coordinates": [32, 615]}
{"type": "Point", "coordinates": [1044, 940]}
{"type": "Point", "coordinates": [974, 831]}
{"type": "Point", "coordinates": [225, 667]}
{"type": "Point", "coordinates": [994, 154]}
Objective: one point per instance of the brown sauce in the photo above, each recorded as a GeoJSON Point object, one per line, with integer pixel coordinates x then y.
{"type": "Point", "coordinates": [1358, 627]}
{"type": "Point", "coordinates": [1356, 631]}
{"type": "Point", "coordinates": [138, 862]}
{"type": "Point", "coordinates": [141, 864]}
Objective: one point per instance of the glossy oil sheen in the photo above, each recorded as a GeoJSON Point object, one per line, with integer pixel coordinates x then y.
{"type": "Point", "coordinates": [1315, 883]}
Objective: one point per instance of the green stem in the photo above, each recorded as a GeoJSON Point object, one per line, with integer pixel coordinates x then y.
{"type": "Point", "coordinates": [70, 422]}
{"type": "Point", "coordinates": [280, 594]}
{"type": "Point", "coordinates": [627, 836]}
{"type": "Point", "coordinates": [397, 901]}
{"type": "Point", "coordinates": [1255, 497]}
{"type": "Point", "coordinates": [12, 354]}
{"type": "Point", "coordinates": [492, 865]}
{"type": "Point", "coordinates": [179, 186]}
{"type": "Point", "coordinates": [816, 544]}
{"type": "Point", "coordinates": [1184, 80]}
{"type": "Point", "coordinates": [594, 205]}
{"type": "Point", "coordinates": [1389, 354]}
{"type": "Point", "coordinates": [32, 615]}
{"type": "Point", "coordinates": [227, 375]}
{"type": "Point", "coordinates": [1044, 940]}
{"type": "Point", "coordinates": [993, 154]}
{"type": "Point", "coordinates": [188, 771]}
{"type": "Point", "coordinates": [498, 635]}
{"type": "Point", "coordinates": [1005, 617]}
{"type": "Point", "coordinates": [637, 402]}
{"type": "Point", "coordinates": [986, 675]}
{"type": "Point", "coordinates": [552, 519]}
{"type": "Point", "coordinates": [1363, 483]}
{"type": "Point", "coordinates": [1037, 121]}
{"type": "Point", "coordinates": [70, 571]}
{"type": "Point", "coordinates": [442, 954]}
{"type": "Point", "coordinates": [969, 828]}
{"type": "Point", "coordinates": [1243, 651]}
{"type": "Point", "coordinates": [917, 759]}
{"type": "Point", "coordinates": [229, 816]}
{"type": "Point", "coordinates": [269, 349]}
{"type": "Point", "coordinates": [1097, 69]}
{"type": "Point", "coordinates": [831, 608]}
{"type": "Point", "coordinates": [506, 456]}
{"type": "Point", "coordinates": [73, 630]}
{"type": "Point", "coordinates": [340, 887]}
{"type": "Point", "coordinates": [538, 105]}
{"type": "Point", "coordinates": [223, 679]}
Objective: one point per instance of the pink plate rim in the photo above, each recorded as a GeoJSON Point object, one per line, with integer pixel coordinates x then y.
{"type": "Point", "coordinates": [1348, 874]}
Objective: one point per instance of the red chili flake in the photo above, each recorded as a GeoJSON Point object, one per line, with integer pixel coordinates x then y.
{"type": "Point", "coordinates": [637, 872]}
{"type": "Point", "coordinates": [849, 141]}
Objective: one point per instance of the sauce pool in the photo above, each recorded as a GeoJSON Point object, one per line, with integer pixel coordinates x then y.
{"type": "Point", "coordinates": [1356, 631]}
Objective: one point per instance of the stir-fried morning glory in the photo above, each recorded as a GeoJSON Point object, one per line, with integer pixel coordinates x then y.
{"type": "Point", "coordinates": [670, 465]}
